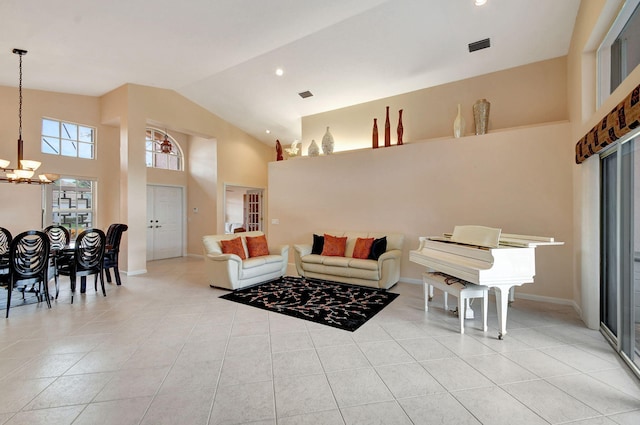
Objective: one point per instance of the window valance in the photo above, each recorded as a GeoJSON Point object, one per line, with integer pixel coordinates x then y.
{"type": "Point", "coordinates": [621, 120]}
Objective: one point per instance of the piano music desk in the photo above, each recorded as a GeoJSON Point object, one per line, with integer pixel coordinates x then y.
{"type": "Point", "coordinates": [454, 286]}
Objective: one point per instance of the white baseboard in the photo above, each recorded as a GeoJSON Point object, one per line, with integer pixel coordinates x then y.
{"type": "Point", "coordinates": [135, 272]}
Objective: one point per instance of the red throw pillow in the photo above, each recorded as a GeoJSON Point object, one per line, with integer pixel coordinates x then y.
{"type": "Point", "coordinates": [362, 248]}
{"type": "Point", "coordinates": [233, 246]}
{"type": "Point", "coordinates": [334, 246]}
{"type": "Point", "coordinates": [257, 246]}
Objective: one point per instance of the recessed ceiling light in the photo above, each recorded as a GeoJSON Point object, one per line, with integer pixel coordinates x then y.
{"type": "Point", "coordinates": [279, 72]}
{"type": "Point", "coordinates": [480, 2]}
{"type": "Point", "coordinates": [268, 131]}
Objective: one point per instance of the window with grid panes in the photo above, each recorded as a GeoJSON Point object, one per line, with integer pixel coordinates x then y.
{"type": "Point", "coordinates": [67, 139]}
{"type": "Point", "coordinates": [72, 204]}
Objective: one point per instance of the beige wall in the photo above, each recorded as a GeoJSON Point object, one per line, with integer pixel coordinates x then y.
{"type": "Point", "coordinates": [518, 180]}
{"type": "Point", "coordinates": [526, 95]}
{"type": "Point", "coordinates": [20, 204]}
{"type": "Point", "coordinates": [215, 152]}
{"type": "Point", "coordinates": [517, 177]}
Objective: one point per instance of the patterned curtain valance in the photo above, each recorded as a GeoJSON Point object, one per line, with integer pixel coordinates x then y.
{"type": "Point", "coordinates": [621, 120]}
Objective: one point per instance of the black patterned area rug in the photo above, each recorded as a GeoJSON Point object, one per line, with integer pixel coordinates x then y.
{"type": "Point", "coordinates": [333, 304]}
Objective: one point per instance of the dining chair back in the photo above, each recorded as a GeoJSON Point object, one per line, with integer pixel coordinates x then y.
{"type": "Point", "coordinates": [28, 265]}
{"type": "Point", "coordinates": [59, 238]}
{"type": "Point", "coordinates": [111, 254]}
{"type": "Point", "coordinates": [88, 256]}
{"type": "Point", "coordinates": [5, 241]}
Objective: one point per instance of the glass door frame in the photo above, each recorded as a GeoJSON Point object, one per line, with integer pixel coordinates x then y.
{"type": "Point", "coordinates": [624, 337]}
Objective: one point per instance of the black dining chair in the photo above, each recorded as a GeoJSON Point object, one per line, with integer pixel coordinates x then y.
{"type": "Point", "coordinates": [5, 242]}
{"type": "Point", "coordinates": [88, 256]}
{"type": "Point", "coordinates": [29, 265]}
{"type": "Point", "coordinates": [59, 238]}
{"type": "Point", "coordinates": [111, 253]}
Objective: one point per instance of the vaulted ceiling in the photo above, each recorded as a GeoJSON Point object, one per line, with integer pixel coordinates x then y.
{"type": "Point", "coordinates": [223, 54]}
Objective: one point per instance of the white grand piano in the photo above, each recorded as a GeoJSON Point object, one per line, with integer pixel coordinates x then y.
{"type": "Point", "coordinates": [484, 256]}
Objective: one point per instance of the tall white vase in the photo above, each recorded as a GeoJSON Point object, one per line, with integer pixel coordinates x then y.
{"type": "Point", "coordinates": [458, 124]}
{"type": "Point", "coordinates": [327, 143]}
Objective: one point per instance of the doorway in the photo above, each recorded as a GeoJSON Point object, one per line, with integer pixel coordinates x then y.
{"type": "Point", "coordinates": [243, 208]}
{"type": "Point", "coordinates": [165, 218]}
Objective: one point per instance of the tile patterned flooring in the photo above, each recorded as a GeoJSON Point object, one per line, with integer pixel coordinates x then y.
{"type": "Point", "coordinates": [164, 349]}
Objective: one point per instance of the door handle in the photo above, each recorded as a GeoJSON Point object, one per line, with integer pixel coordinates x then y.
{"type": "Point", "coordinates": [158, 226]}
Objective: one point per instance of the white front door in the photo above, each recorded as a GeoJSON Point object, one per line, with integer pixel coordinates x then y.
{"type": "Point", "coordinates": [164, 222]}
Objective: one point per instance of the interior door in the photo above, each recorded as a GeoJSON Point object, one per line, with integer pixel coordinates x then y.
{"type": "Point", "coordinates": [164, 222]}
{"type": "Point", "coordinates": [253, 210]}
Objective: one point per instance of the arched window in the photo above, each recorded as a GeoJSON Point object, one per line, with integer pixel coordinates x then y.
{"type": "Point", "coordinates": [158, 156]}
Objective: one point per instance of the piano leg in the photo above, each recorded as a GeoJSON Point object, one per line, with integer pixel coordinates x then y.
{"type": "Point", "coordinates": [502, 304]}
{"type": "Point", "coordinates": [427, 288]}
{"type": "Point", "coordinates": [485, 308]}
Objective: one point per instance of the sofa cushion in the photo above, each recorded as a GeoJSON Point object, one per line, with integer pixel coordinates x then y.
{"type": "Point", "coordinates": [233, 246]}
{"type": "Point", "coordinates": [318, 244]}
{"type": "Point", "coordinates": [357, 263]}
{"type": "Point", "coordinates": [273, 258]}
{"type": "Point", "coordinates": [336, 261]}
{"type": "Point", "coordinates": [334, 246]}
{"type": "Point", "coordinates": [257, 246]}
{"type": "Point", "coordinates": [250, 263]}
{"type": "Point", "coordinates": [362, 248]}
{"type": "Point", "coordinates": [378, 248]}
{"type": "Point", "coordinates": [263, 269]}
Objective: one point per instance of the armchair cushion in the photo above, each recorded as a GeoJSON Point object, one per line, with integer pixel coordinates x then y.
{"type": "Point", "coordinates": [257, 246]}
{"type": "Point", "coordinates": [233, 246]}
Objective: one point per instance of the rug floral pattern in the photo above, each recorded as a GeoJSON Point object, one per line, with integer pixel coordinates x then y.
{"type": "Point", "coordinates": [333, 304]}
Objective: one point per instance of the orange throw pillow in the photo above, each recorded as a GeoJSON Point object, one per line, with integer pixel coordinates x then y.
{"type": "Point", "coordinates": [233, 246]}
{"type": "Point", "coordinates": [334, 246]}
{"type": "Point", "coordinates": [362, 248]}
{"type": "Point", "coordinates": [257, 246]}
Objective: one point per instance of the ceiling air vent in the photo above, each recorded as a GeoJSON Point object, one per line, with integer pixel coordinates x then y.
{"type": "Point", "coordinates": [479, 45]}
{"type": "Point", "coordinates": [305, 94]}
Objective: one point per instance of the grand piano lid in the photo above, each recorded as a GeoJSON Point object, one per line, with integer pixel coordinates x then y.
{"type": "Point", "coordinates": [476, 235]}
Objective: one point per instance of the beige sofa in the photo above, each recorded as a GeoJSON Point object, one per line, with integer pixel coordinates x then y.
{"type": "Point", "coordinates": [231, 272]}
{"type": "Point", "coordinates": [382, 273]}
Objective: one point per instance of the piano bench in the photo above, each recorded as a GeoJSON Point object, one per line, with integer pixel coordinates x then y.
{"type": "Point", "coordinates": [459, 288]}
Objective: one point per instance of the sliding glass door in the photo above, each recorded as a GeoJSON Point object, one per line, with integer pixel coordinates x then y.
{"type": "Point", "coordinates": [620, 250]}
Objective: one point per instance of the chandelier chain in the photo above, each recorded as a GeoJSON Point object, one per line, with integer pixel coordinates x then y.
{"type": "Point", "coordinates": [20, 100]}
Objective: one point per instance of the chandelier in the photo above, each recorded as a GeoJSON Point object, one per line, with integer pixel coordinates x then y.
{"type": "Point", "coordinates": [165, 146]}
{"type": "Point", "coordinates": [26, 168]}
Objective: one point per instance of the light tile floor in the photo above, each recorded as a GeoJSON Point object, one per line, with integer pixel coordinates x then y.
{"type": "Point", "coordinates": [164, 349]}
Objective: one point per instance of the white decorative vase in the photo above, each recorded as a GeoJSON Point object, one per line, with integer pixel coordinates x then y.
{"type": "Point", "coordinates": [327, 143]}
{"type": "Point", "coordinates": [458, 125]}
{"type": "Point", "coordinates": [313, 150]}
